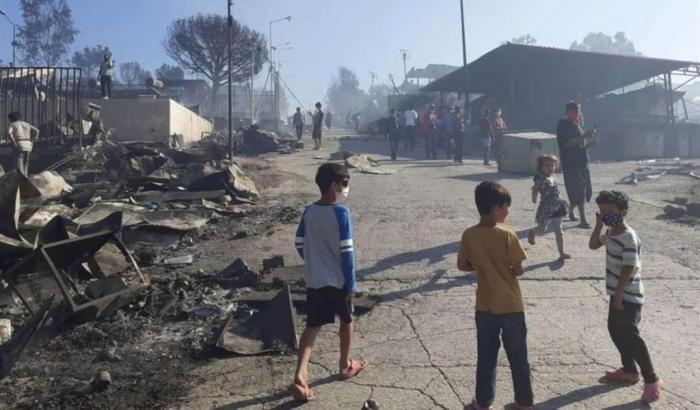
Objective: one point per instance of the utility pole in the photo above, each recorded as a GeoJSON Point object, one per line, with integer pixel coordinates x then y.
{"type": "Point", "coordinates": [229, 153]}
{"type": "Point", "coordinates": [252, 83]}
{"type": "Point", "coordinates": [404, 56]}
{"type": "Point", "coordinates": [273, 72]}
{"type": "Point", "coordinates": [467, 110]}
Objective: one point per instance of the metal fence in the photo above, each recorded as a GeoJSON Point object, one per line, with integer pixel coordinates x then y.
{"type": "Point", "coordinates": [47, 97]}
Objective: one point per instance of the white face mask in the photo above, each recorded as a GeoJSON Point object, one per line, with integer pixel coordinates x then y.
{"type": "Point", "coordinates": [345, 192]}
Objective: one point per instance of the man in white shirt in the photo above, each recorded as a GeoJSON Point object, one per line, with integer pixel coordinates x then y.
{"type": "Point", "coordinates": [21, 134]}
{"type": "Point", "coordinates": [411, 121]}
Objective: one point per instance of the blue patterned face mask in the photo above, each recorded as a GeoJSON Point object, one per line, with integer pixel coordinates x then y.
{"type": "Point", "coordinates": [611, 220]}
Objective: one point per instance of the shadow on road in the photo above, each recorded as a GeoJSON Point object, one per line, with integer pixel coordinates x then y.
{"type": "Point", "coordinates": [553, 265]}
{"type": "Point", "coordinates": [488, 176]}
{"type": "Point", "coordinates": [432, 255]}
{"type": "Point", "coordinates": [281, 395]}
{"type": "Point", "coordinates": [432, 285]}
{"type": "Point", "coordinates": [576, 396]}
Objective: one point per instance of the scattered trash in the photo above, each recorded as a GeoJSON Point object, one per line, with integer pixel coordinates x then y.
{"type": "Point", "coordinates": [370, 405]}
{"type": "Point", "coordinates": [366, 165]}
{"type": "Point", "coordinates": [273, 263]}
{"type": "Point", "coordinates": [101, 381]}
{"type": "Point", "coordinates": [340, 156]}
{"type": "Point", "coordinates": [5, 330]}
{"type": "Point", "coordinates": [179, 260]}
{"type": "Point", "coordinates": [50, 184]}
{"type": "Point", "coordinates": [237, 274]}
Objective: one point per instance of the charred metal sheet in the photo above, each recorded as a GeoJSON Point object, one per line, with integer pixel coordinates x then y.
{"type": "Point", "coordinates": [270, 330]}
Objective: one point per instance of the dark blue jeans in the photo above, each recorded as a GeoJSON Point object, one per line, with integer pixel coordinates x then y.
{"type": "Point", "coordinates": [490, 330]}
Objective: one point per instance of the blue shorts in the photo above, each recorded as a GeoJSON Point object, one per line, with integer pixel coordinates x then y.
{"type": "Point", "coordinates": [324, 304]}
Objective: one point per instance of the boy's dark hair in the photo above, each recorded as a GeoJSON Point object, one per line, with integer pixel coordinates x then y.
{"type": "Point", "coordinates": [14, 116]}
{"type": "Point", "coordinates": [573, 106]}
{"type": "Point", "coordinates": [318, 104]}
{"type": "Point", "coordinates": [329, 173]}
{"type": "Point", "coordinates": [617, 198]}
{"type": "Point", "coordinates": [489, 195]}
{"type": "Point", "coordinates": [546, 157]}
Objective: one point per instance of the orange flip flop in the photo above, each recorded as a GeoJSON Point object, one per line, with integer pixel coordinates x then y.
{"type": "Point", "coordinates": [356, 366]}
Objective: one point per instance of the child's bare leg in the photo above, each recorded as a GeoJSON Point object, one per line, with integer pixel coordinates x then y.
{"type": "Point", "coordinates": [559, 235]}
{"type": "Point", "coordinates": [345, 343]}
{"type": "Point", "coordinates": [306, 343]}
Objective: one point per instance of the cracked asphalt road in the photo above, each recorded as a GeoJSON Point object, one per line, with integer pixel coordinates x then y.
{"type": "Point", "coordinates": [421, 342]}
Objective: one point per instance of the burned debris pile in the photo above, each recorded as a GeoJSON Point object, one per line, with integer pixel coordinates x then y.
{"type": "Point", "coordinates": [259, 141]}
{"type": "Point", "coordinates": [92, 256]}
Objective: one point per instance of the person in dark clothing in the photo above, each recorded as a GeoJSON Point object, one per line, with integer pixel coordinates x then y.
{"type": "Point", "coordinates": [433, 133]}
{"type": "Point", "coordinates": [329, 118]}
{"type": "Point", "coordinates": [486, 134]}
{"type": "Point", "coordinates": [317, 129]}
{"type": "Point", "coordinates": [458, 135]}
{"type": "Point", "coordinates": [573, 148]}
{"type": "Point", "coordinates": [392, 131]}
{"type": "Point", "coordinates": [298, 121]}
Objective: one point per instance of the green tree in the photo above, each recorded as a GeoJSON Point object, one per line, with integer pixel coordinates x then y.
{"type": "Point", "coordinates": [132, 74]}
{"type": "Point", "coordinates": [89, 59]}
{"type": "Point", "coordinates": [603, 43]}
{"type": "Point", "coordinates": [170, 72]}
{"type": "Point", "coordinates": [199, 44]}
{"type": "Point", "coordinates": [48, 31]}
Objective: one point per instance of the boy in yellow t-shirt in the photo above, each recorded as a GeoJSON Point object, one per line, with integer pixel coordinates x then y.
{"type": "Point", "coordinates": [495, 254]}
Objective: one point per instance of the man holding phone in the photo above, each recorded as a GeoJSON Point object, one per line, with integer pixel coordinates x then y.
{"type": "Point", "coordinates": [573, 148]}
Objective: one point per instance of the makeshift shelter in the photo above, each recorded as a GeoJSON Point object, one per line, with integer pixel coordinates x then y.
{"type": "Point", "coordinates": [532, 85]}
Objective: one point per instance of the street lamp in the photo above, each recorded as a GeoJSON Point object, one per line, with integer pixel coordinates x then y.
{"type": "Point", "coordinates": [14, 36]}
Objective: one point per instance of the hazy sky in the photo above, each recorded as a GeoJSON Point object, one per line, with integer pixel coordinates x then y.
{"type": "Point", "coordinates": [366, 35]}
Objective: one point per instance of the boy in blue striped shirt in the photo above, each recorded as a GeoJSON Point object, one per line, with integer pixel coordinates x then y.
{"type": "Point", "coordinates": [324, 240]}
{"type": "Point", "coordinates": [623, 282]}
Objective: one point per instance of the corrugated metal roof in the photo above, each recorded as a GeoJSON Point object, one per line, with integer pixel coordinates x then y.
{"type": "Point", "coordinates": [528, 71]}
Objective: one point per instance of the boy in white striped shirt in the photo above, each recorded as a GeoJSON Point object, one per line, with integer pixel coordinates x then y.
{"type": "Point", "coordinates": [623, 282]}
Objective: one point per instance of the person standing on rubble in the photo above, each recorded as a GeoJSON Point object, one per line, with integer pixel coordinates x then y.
{"type": "Point", "coordinates": [317, 128]}
{"type": "Point", "coordinates": [21, 134]}
{"type": "Point", "coordinates": [106, 70]}
{"type": "Point", "coordinates": [298, 122]}
{"type": "Point", "coordinates": [324, 241]}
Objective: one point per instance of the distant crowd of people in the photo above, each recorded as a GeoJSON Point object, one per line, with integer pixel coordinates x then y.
{"type": "Point", "coordinates": [443, 130]}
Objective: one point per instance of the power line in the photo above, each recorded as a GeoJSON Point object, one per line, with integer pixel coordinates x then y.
{"type": "Point", "coordinates": [290, 91]}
